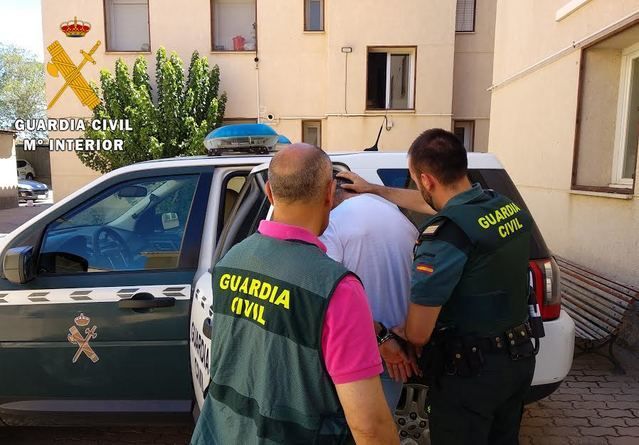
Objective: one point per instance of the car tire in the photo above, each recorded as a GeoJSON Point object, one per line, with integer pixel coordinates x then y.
{"type": "Point", "coordinates": [29, 176]}
{"type": "Point", "coordinates": [411, 415]}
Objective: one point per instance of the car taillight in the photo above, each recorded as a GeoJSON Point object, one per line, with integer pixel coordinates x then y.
{"type": "Point", "coordinates": [545, 275]}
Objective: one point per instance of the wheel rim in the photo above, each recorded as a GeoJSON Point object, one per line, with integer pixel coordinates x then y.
{"type": "Point", "coordinates": [411, 416]}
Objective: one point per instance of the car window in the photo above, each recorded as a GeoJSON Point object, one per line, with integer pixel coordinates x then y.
{"type": "Point", "coordinates": [495, 179]}
{"type": "Point", "coordinates": [21, 164]}
{"type": "Point", "coordinates": [251, 208]}
{"type": "Point", "coordinates": [231, 189]}
{"type": "Point", "coordinates": [136, 225]}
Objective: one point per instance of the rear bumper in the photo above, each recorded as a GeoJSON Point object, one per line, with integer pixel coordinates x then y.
{"type": "Point", "coordinates": [555, 352]}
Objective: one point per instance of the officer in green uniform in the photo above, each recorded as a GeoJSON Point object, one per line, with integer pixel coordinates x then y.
{"type": "Point", "coordinates": [469, 297]}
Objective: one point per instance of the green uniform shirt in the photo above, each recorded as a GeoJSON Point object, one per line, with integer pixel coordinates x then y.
{"type": "Point", "coordinates": [472, 260]}
{"type": "Point", "coordinates": [439, 264]}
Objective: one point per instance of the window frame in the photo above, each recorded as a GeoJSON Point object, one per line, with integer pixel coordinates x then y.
{"type": "Point", "coordinates": [474, 19]}
{"type": "Point", "coordinates": [615, 190]}
{"type": "Point", "coordinates": [106, 31]}
{"type": "Point", "coordinates": [412, 87]}
{"type": "Point", "coordinates": [319, 128]}
{"type": "Point", "coordinates": [230, 51]}
{"type": "Point", "coordinates": [628, 56]}
{"type": "Point", "coordinates": [323, 17]}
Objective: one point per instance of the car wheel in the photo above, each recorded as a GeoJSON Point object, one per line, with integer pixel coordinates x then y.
{"type": "Point", "coordinates": [29, 176]}
{"type": "Point", "coordinates": [411, 415]}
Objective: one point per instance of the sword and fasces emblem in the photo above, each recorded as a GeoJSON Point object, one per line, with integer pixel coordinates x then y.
{"type": "Point", "coordinates": [75, 337]}
{"type": "Point", "coordinates": [62, 63]}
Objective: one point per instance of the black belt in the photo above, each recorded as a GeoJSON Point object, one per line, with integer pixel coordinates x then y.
{"type": "Point", "coordinates": [499, 343]}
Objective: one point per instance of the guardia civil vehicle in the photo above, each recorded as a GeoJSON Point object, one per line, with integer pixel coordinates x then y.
{"type": "Point", "coordinates": [105, 296]}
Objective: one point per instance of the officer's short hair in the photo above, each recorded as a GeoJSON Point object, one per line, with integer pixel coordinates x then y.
{"type": "Point", "coordinates": [440, 153]}
{"type": "Point", "coordinates": [303, 178]}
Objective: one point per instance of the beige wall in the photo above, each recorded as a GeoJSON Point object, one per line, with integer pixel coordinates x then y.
{"type": "Point", "coordinates": [302, 74]}
{"type": "Point", "coordinates": [473, 73]}
{"type": "Point", "coordinates": [8, 174]}
{"type": "Point", "coordinates": [533, 126]}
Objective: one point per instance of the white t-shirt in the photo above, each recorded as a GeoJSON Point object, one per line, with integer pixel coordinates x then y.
{"type": "Point", "coordinates": [374, 239]}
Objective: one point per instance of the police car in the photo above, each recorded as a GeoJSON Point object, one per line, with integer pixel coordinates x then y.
{"type": "Point", "coordinates": [105, 297]}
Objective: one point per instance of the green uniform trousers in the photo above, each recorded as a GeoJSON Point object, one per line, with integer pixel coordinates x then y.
{"type": "Point", "coordinates": [481, 410]}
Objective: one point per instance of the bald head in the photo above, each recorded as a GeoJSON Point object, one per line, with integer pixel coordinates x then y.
{"type": "Point", "coordinates": [300, 172]}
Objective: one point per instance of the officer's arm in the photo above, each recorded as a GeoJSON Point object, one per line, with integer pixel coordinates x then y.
{"type": "Point", "coordinates": [420, 323]}
{"type": "Point", "coordinates": [437, 269]}
{"type": "Point", "coordinates": [405, 198]}
{"type": "Point", "coordinates": [367, 412]}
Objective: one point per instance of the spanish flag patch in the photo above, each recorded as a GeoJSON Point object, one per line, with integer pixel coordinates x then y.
{"type": "Point", "coordinates": [425, 268]}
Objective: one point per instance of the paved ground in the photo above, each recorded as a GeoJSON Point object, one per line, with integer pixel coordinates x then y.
{"type": "Point", "coordinates": [592, 407]}
{"type": "Point", "coordinates": [12, 218]}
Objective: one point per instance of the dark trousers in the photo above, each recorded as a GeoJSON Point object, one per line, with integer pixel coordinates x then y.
{"type": "Point", "coordinates": [481, 410]}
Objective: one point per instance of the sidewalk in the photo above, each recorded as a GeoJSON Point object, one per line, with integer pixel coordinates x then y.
{"type": "Point", "coordinates": [593, 406]}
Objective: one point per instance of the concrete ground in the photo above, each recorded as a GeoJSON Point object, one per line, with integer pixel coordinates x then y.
{"type": "Point", "coordinates": [12, 218]}
{"type": "Point", "coordinates": [593, 406]}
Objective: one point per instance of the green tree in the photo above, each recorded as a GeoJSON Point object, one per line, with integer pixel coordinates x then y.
{"type": "Point", "coordinates": [173, 124]}
{"type": "Point", "coordinates": [21, 88]}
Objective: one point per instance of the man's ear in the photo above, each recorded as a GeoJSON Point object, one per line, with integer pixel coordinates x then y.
{"type": "Point", "coordinates": [330, 193]}
{"type": "Point", "coordinates": [428, 181]}
{"type": "Point", "coordinates": [269, 193]}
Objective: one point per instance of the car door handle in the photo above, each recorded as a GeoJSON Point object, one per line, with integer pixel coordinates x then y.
{"type": "Point", "coordinates": [145, 300]}
{"type": "Point", "coordinates": [206, 328]}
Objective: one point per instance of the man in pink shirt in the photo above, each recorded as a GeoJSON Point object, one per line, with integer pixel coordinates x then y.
{"type": "Point", "coordinates": [294, 356]}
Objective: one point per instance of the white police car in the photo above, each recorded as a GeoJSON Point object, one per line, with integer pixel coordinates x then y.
{"type": "Point", "coordinates": [105, 296]}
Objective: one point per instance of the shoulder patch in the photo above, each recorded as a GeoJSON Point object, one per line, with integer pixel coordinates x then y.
{"type": "Point", "coordinates": [432, 229]}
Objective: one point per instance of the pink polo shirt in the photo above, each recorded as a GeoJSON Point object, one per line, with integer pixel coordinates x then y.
{"type": "Point", "coordinates": [348, 336]}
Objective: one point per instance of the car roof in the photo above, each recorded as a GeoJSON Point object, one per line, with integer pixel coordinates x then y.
{"type": "Point", "coordinates": [362, 158]}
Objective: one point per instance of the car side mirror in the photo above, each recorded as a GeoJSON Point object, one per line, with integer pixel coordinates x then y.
{"type": "Point", "coordinates": [18, 265]}
{"type": "Point", "coordinates": [63, 262]}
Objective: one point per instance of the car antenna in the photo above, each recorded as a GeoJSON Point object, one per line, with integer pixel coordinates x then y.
{"type": "Point", "coordinates": [375, 147]}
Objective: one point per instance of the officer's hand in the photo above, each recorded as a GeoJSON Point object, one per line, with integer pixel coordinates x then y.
{"type": "Point", "coordinates": [397, 362]}
{"type": "Point", "coordinates": [359, 184]}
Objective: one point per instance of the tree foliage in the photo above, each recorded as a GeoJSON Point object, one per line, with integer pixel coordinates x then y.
{"type": "Point", "coordinates": [174, 123]}
{"type": "Point", "coordinates": [21, 88]}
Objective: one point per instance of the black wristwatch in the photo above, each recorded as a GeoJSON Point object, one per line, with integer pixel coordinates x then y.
{"type": "Point", "coordinates": [384, 335]}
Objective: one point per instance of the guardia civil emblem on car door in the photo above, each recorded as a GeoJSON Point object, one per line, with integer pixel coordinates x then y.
{"type": "Point", "coordinates": [75, 337]}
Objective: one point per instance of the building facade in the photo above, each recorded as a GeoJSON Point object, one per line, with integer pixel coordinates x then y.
{"type": "Point", "coordinates": [321, 71]}
{"type": "Point", "coordinates": [565, 123]}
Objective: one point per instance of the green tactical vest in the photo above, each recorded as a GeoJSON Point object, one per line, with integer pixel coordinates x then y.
{"type": "Point", "coordinates": [492, 294]}
{"type": "Point", "coordinates": [267, 370]}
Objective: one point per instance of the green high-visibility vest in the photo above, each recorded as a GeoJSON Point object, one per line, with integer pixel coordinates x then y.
{"type": "Point", "coordinates": [494, 233]}
{"type": "Point", "coordinates": [269, 383]}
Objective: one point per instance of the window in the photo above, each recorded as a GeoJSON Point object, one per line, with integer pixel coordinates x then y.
{"type": "Point", "coordinates": [627, 131]}
{"type": "Point", "coordinates": [233, 25]}
{"type": "Point", "coordinates": [127, 25]}
{"type": "Point", "coordinates": [607, 126]}
{"type": "Point", "coordinates": [465, 132]}
{"type": "Point", "coordinates": [21, 164]}
{"type": "Point", "coordinates": [312, 133]}
{"type": "Point", "coordinates": [390, 79]}
{"type": "Point", "coordinates": [465, 21]}
{"type": "Point", "coordinates": [251, 208]}
{"type": "Point", "coordinates": [313, 15]}
{"type": "Point", "coordinates": [137, 225]}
